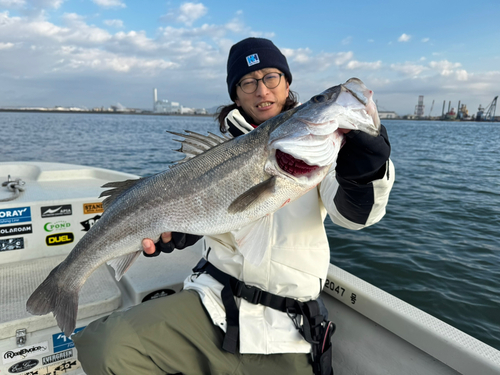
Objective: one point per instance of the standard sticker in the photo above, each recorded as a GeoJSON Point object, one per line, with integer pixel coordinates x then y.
{"type": "Point", "coordinates": [61, 210]}
{"type": "Point", "coordinates": [12, 244]}
{"type": "Point", "coordinates": [15, 215]}
{"type": "Point", "coordinates": [87, 224]}
{"type": "Point", "coordinates": [57, 357]}
{"type": "Point", "coordinates": [61, 342]}
{"type": "Point", "coordinates": [23, 366]}
{"type": "Point", "coordinates": [54, 226]}
{"type": "Point", "coordinates": [92, 208]}
{"type": "Point", "coordinates": [16, 229]}
{"type": "Point", "coordinates": [19, 354]}
{"type": "Point", "coordinates": [59, 239]}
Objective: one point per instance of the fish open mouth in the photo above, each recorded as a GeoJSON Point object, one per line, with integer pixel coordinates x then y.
{"type": "Point", "coordinates": [293, 166]}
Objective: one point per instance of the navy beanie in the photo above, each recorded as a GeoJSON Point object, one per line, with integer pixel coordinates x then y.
{"type": "Point", "coordinates": [253, 54]}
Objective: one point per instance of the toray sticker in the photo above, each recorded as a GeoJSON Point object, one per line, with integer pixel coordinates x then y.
{"type": "Point", "coordinates": [15, 215]}
{"type": "Point", "coordinates": [28, 351]}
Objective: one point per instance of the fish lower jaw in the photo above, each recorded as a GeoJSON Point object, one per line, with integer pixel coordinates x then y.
{"type": "Point", "coordinates": [291, 167]}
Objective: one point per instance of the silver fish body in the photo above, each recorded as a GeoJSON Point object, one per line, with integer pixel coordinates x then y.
{"type": "Point", "coordinates": [224, 188]}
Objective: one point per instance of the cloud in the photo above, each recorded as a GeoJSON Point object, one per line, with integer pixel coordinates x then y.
{"type": "Point", "coordinates": [114, 23]}
{"type": "Point", "coordinates": [346, 41]}
{"type": "Point", "coordinates": [408, 69]}
{"type": "Point", "coordinates": [354, 64]}
{"type": "Point", "coordinates": [425, 40]}
{"type": "Point", "coordinates": [404, 38]}
{"type": "Point", "coordinates": [12, 4]}
{"type": "Point", "coordinates": [188, 13]}
{"type": "Point", "coordinates": [110, 3]}
{"type": "Point", "coordinates": [6, 45]}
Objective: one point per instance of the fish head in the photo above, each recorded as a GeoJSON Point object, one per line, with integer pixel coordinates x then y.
{"type": "Point", "coordinates": [305, 145]}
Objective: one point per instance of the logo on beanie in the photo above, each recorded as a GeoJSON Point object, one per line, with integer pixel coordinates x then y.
{"type": "Point", "coordinates": [253, 59]}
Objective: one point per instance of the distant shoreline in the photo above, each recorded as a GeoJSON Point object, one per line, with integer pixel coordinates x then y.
{"type": "Point", "coordinates": [147, 113]}
{"type": "Point", "coordinates": [103, 112]}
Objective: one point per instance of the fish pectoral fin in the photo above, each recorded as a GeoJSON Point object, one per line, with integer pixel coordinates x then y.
{"type": "Point", "coordinates": [253, 240]}
{"type": "Point", "coordinates": [253, 195]}
{"type": "Point", "coordinates": [123, 263]}
{"type": "Point", "coordinates": [118, 187]}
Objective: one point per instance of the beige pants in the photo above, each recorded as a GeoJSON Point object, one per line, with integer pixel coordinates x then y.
{"type": "Point", "coordinates": [171, 335]}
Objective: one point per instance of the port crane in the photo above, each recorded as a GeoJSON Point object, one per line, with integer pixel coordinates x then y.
{"type": "Point", "coordinates": [432, 106]}
{"type": "Point", "coordinates": [490, 110]}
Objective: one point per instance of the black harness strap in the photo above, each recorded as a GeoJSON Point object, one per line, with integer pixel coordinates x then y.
{"type": "Point", "coordinates": [315, 329]}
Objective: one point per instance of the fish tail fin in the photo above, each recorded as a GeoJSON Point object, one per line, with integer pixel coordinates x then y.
{"type": "Point", "coordinates": [62, 302]}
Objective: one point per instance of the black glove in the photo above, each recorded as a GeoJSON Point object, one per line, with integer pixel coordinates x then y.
{"type": "Point", "coordinates": [179, 241]}
{"type": "Point", "coordinates": [363, 157]}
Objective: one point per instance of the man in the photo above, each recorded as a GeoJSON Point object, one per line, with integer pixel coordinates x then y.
{"type": "Point", "coordinates": [208, 328]}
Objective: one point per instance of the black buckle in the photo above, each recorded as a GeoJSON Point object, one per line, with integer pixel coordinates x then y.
{"type": "Point", "coordinates": [248, 293]}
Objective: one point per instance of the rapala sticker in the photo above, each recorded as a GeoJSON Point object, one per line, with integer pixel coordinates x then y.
{"type": "Point", "coordinates": [19, 354]}
{"type": "Point", "coordinates": [60, 342]}
{"type": "Point", "coordinates": [12, 244]}
{"type": "Point", "coordinates": [52, 211]}
{"type": "Point", "coordinates": [54, 226]}
{"type": "Point", "coordinates": [16, 229]}
{"type": "Point", "coordinates": [23, 366]}
{"type": "Point", "coordinates": [59, 239]}
{"type": "Point", "coordinates": [15, 215]}
{"type": "Point", "coordinates": [92, 208]}
{"type": "Point", "coordinates": [87, 224]}
{"type": "Point", "coordinates": [57, 357]}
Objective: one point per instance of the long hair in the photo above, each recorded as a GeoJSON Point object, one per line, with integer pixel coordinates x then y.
{"type": "Point", "coordinates": [224, 110]}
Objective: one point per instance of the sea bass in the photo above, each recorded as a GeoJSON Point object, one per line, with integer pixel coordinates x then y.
{"type": "Point", "coordinates": [223, 185]}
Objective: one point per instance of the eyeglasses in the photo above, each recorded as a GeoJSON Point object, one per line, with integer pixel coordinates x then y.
{"type": "Point", "coordinates": [270, 80]}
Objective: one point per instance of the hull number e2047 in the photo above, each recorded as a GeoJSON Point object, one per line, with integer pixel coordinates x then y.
{"type": "Point", "coordinates": [341, 291]}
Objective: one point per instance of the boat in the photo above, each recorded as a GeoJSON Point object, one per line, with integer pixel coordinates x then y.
{"type": "Point", "coordinates": [46, 208]}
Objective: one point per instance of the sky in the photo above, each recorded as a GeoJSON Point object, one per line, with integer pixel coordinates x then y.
{"type": "Point", "coordinates": [94, 53]}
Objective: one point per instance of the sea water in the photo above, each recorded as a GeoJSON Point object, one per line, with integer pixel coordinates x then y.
{"type": "Point", "coordinates": [437, 247]}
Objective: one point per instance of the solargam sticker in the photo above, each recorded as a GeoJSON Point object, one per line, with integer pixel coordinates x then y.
{"type": "Point", "coordinates": [16, 229]}
{"type": "Point", "coordinates": [12, 244]}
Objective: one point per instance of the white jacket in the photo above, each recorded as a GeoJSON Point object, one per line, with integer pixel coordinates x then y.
{"type": "Point", "coordinates": [295, 265]}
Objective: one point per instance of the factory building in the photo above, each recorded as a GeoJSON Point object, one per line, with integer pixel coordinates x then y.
{"type": "Point", "coordinates": [165, 106]}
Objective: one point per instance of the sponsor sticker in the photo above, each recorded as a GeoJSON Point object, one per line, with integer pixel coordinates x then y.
{"type": "Point", "coordinates": [15, 215]}
{"type": "Point", "coordinates": [87, 224]}
{"type": "Point", "coordinates": [52, 211]}
{"type": "Point", "coordinates": [253, 59]}
{"type": "Point", "coordinates": [23, 366]}
{"type": "Point", "coordinates": [59, 239]}
{"type": "Point", "coordinates": [19, 354]}
{"type": "Point", "coordinates": [93, 208]}
{"type": "Point", "coordinates": [16, 229]}
{"type": "Point", "coordinates": [53, 226]}
{"type": "Point", "coordinates": [57, 357]}
{"type": "Point", "coordinates": [62, 368]}
{"type": "Point", "coordinates": [12, 244]}
{"type": "Point", "coordinates": [60, 342]}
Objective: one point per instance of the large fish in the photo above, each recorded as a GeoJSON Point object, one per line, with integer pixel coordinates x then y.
{"type": "Point", "coordinates": [223, 185]}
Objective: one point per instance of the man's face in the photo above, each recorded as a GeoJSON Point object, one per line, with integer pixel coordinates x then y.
{"type": "Point", "coordinates": [264, 103]}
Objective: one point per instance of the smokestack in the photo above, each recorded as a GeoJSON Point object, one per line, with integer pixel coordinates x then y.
{"type": "Point", "coordinates": [155, 96]}
{"type": "Point", "coordinates": [449, 106]}
{"type": "Point", "coordinates": [444, 103]}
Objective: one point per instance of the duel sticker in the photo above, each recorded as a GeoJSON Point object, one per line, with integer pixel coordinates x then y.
{"type": "Point", "coordinates": [59, 239]}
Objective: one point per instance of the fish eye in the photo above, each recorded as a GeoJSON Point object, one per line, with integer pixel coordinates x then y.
{"type": "Point", "coordinates": [318, 99]}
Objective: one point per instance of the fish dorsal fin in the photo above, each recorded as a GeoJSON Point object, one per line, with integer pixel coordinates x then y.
{"type": "Point", "coordinates": [254, 239]}
{"type": "Point", "coordinates": [195, 144]}
{"type": "Point", "coordinates": [123, 263]}
{"type": "Point", "coordinates": [118, 187]}
{"type": "Point", "coordinates": [252, 196]}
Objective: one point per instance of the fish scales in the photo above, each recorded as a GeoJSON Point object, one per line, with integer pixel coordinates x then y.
{"type": "Point", "coordinates": [227, 187]}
